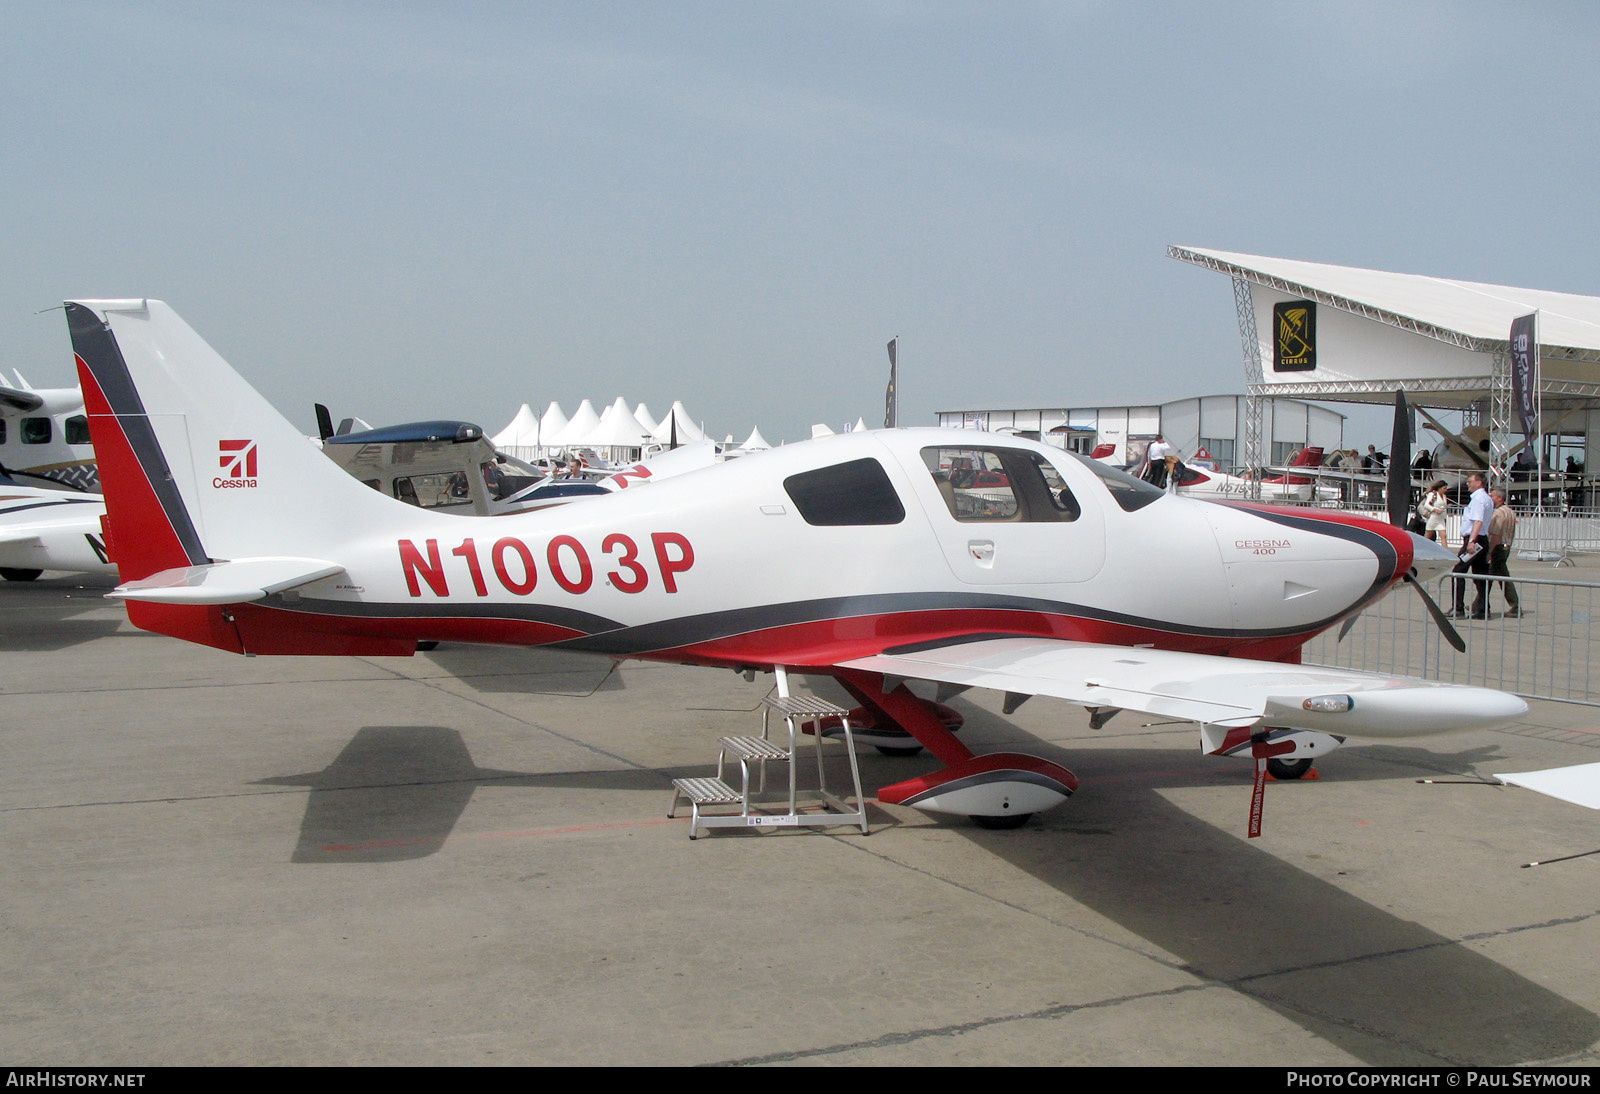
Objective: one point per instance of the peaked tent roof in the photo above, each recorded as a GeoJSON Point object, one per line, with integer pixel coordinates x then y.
{"type": "Point", "coordinates": [582, 423]}
{"type": "Point", "coordinates": [617, 429]}
{"type": "Point", "coordinates": [553, 422]}
{"type": "Point", "coordinates": [646, 420]}
{"type": "Point", "coordinates": [1470, 314]}
{"type": "Point", "coordinates": [755, 442]}
{"type": "Point", "coordinates": [523, 430]}
{"type": "Point", "coordinates": [688, 432]}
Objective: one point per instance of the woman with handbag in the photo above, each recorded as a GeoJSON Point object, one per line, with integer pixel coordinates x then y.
{"type": "Point", "coordinates": [1433, 507]}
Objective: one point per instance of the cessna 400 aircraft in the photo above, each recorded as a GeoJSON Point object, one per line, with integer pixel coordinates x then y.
{"type": "Point", "coordinates": [853, 556]}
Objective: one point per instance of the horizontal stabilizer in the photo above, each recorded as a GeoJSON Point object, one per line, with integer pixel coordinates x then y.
{"type": "Point", "coordinates": [1220, 691]}
{"type": "Point", "coordinates": [1579, 785]}
{"type": "Point", "coordinates": [236, 582]}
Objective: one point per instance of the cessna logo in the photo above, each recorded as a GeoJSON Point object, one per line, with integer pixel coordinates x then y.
{"type": "Point", "coordinates": [238, 463]}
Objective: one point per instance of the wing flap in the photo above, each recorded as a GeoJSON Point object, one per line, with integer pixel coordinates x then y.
{"type": "Point", "coordinates": [236, 582]}
{"type": "Point", "coordinates": [1211, 690]}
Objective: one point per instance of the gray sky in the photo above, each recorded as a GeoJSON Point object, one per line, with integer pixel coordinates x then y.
{"type": "Point", "coordinates": [413, 210]}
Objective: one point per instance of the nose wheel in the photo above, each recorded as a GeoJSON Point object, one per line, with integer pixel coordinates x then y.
{"type": "Point", "coordinates": [1288, 769]}
{"type": "Point", "coordinates": [1013, 820]}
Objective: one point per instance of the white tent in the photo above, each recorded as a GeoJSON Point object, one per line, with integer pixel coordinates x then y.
{"type": "Point", "coordinates": [687, 431]}
{"type": "Point", "coordinates": [523, 430]}
{"type": "Point", "coordinates": [577, 429]}
{"type": "Point", "coordinates": [861, 426]}
{"type": "Point", "coordinates": [617, 428]}
{"type": "Point", "coordinates": [755, 442]}
{"type": "Point", "coordinates": [641, 414]}
{"type": "Point", "coordinates": [553, 422]}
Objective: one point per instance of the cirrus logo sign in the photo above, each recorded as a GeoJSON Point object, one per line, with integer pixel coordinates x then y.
{"type": "Point", "coordinates": [238, 463]}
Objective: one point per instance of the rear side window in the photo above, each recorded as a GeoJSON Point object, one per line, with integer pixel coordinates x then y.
{"type": "Point", "coordinates": [1000, 484]}
{"type": "Point", "coordinates": [76, 429]}
{"type": "Point", "coordinates": [858, 492]}
{"type": "Point", "coordinates": [36, 431]}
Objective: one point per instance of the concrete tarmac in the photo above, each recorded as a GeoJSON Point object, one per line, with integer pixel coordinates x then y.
{"type": "Point", "coordinates": [464, 858]}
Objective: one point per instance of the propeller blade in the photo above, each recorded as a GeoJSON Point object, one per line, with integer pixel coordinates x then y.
{"type": "Point", "coordinates": [1446, 628]}
{"type": "Point", "coordinates": [1348, 623]}
{"type": "Point", "coordinates": [1399, 488]}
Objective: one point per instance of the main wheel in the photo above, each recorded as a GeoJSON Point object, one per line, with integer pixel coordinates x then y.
{"type": "Point", "coordinates": [427, 644]}
{"type": "Point", "coordinates": [887, 751]}
{"type": "Point", "coordinates": [13, 574]}
{"type": "Point", "coordinates": [1010, 820]}
{"type": "Point", "coordinates": [1288, 769]}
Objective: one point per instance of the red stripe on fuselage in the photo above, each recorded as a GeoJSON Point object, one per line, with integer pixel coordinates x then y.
{"type": "Point", "coordinates": [818, 644]}
{"type": "Point", "coordinates": [270, 630]}
{"type": "Point", "coordinates": [829, 641]}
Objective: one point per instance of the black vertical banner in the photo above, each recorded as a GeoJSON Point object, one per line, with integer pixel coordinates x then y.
{"type": "Point", "coordinates": [1525, 375]}
{"type": "Point", "coordinates": [1294, 336]}
{"type": "Point", "coordinates": [890, 413]}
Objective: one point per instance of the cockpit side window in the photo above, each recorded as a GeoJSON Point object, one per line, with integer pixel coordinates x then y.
{"type": "Point", "coordinates": [985, 485]}
{"type": "Point", "coordinates": [854, 493]}
{"type": "Point", "coordinates": [1130, 493]}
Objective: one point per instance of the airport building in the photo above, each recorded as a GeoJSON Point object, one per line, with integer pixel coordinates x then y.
{"type": "Point", "coordinates": [1215, 423]}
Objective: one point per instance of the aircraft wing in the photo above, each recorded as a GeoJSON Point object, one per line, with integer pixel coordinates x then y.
{"type": "Point", "coordinates": [17, 399]}
{"type": "Point", "coordinates": [1227, 692]}
{"type": "Point", "coordinates": [22, 532]}
{"type": "Point", "coordinates": [236, 582]}
{"type": "Point", "coordinates": [1579, 785]}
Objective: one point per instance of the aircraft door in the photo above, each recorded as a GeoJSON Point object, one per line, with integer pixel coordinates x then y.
{"type": "Point", "coordinates": [1006, 516]}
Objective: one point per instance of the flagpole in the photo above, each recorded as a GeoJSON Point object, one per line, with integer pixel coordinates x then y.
{"type": "Point", "coordinates": [891, 401]}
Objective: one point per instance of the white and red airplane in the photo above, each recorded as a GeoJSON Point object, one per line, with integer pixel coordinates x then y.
{"type": "Point", "coordinates": [853, 556]}
{"type": "Point", "coordinates": [44, 529]}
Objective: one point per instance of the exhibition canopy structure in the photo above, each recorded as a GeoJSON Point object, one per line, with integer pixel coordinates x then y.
{"type": "Point", "coordinates": [1338, 333]}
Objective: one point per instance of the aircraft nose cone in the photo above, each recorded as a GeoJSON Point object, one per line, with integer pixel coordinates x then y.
{"type": "Point", "coordinates": [1429, 559]}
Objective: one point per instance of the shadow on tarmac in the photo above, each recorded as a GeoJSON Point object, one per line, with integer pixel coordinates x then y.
{"type": "Point", "coordinates": [1382, 988]}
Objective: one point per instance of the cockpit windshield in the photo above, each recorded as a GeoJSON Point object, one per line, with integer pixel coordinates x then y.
{"type": "Point", "coordinates": [1130, 493]}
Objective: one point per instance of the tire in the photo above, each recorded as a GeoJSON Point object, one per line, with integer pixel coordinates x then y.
{"type": "Point", "coordinates": [12, 574]}
{"type": "Point", "coordinates": [887, 751]}
{"type": "Point", "coordinates": [1288, 769]}
{"type": "Point", "coordinates": [427, 644]}
{"type": "Point", "coordinates": [1001, 824]}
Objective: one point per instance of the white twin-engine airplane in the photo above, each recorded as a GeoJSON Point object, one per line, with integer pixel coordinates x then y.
{"type": "Point", "coordinates": [853, 556]}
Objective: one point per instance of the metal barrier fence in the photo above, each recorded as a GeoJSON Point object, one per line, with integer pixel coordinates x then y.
{"type": "Point", "coordinates": [1543, 652]}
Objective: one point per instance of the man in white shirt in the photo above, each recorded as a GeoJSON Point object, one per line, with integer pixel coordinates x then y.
{"type": "Point", "coordinates": [1475, 547]}
{"type": "Point", "coordinates": [1162, 459]}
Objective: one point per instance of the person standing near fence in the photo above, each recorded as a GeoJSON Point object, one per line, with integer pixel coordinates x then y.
{"type": "Point", "coordinates": [1475, 547]}
{"type": "Point", "coordinates": [1433, 509]}
{"type": "Point", "coordinates": [1502, 533]}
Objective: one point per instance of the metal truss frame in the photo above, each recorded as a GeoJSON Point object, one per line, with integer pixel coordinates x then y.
{"type": "Point", "coordinates": [1499, 415]}
{"type": "Point", "coordinates": [1253, 376]}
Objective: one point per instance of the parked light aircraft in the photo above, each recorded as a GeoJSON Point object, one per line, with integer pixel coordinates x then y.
{"type": "Point", "coordinates": [853, 556]}
{"type": "Point", "coordinates": [44, 437]}
{"type": "Point", "coordinates": [49, 530]}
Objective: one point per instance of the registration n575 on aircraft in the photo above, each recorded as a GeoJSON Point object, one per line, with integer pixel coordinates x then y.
{"type": "Point", "coordinates": [875, 558]}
